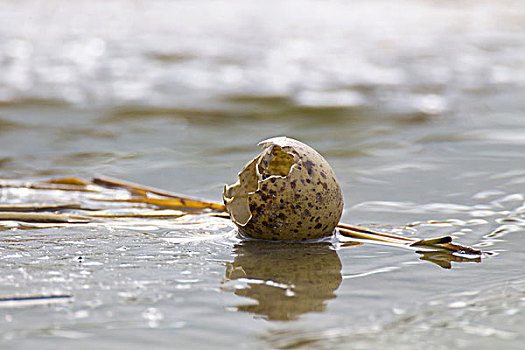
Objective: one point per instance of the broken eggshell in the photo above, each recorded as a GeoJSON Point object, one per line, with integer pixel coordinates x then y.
{"type": "Point", "coordinates": [288, 192]}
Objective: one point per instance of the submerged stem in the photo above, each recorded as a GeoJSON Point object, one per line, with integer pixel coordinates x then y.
{"type": "Point", "coordinates": [438, 243]}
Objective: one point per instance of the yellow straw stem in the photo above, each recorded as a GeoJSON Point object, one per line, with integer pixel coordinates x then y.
{"type": "Point", "coordinates": [168, 203]}
{"type": "Point", "coordinates": [438, 243]}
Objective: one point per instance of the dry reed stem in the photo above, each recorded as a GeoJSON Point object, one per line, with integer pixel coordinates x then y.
{"type": "Point", "coordinates": [140, 194]}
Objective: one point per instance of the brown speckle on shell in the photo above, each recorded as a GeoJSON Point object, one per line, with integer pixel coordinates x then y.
{"type": "Point", "coordinates": [266, 203]}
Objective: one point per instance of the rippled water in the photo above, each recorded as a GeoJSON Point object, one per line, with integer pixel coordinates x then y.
{"type": "Point", "coordinates": [418, 106]}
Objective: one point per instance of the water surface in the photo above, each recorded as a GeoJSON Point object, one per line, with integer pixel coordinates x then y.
{"type": "Point", "coordinates": [417, 105]}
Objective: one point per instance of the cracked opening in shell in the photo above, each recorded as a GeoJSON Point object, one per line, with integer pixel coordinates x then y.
{"type": "Point", "coordinates": [271, 162]}
{"type": "Point", "coordinates": [280, 163]}
{"type": "Point", "coordinates": [236, 196]}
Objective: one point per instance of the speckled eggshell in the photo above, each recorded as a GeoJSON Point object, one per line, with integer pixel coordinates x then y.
{"type": "Point", "coordinates": [288, 192]}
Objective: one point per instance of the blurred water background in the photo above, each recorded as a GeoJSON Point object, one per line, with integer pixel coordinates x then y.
{"type": "Point", "coordinates": [418, 105]}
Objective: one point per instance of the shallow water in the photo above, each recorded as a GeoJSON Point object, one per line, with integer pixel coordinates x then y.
{"type": "Point", "coordinates": [417, 105]}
